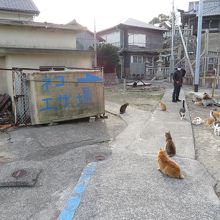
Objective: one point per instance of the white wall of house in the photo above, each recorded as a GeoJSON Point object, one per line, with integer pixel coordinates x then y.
{"type": "Point", "coordinates": [30, 37]}
{"type": "Point", "coordinates": [35, 60]}
{"type": "Point", "coordinates": [3, 76]}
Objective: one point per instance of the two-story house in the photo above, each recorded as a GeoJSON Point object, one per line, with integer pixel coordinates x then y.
{"type": "Point", "coordinates": [138, 44]}
{"type": "Point", "coordinates": [25, 43]}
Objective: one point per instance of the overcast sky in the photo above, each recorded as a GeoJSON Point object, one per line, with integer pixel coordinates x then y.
{"type": "Point", "coordinates": [107, 13]}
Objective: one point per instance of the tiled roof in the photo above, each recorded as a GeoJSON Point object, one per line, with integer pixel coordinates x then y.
{"type": "Point", "coordinates": [136, 23]}
{"type": "Point", "coordinates": [46, 25]}
{"type": "Point", "coordinates": [210, 7]}
{"type": "Point", "coordinates": [19, 6]}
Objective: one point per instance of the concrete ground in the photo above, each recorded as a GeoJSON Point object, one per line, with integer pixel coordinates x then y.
{"type": "Point", "coordinates": [207, 145]}
{"type": "Point", "coordinates": [60, 152]}
{"type": "Point", "coordinates": [126, 185]}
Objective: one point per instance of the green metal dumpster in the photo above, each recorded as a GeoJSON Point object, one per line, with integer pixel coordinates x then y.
{"type": "Point", "coordinates": [64, 95]}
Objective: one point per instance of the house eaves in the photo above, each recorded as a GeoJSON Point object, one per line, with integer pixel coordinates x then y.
{"type": "Point", "coordinates": [6, 50]}
{"type": "Point", "coordinates": [138, 50]}
{"type": "Point", "coordinates": [45, 25]}
{"type": "Point", "coordinates": [24, 6]}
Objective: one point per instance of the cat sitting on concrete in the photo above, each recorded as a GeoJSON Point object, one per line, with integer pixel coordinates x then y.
{"type": "Point", "coordinates": [168, 166]}
{"type": "Point", "coordinates": [197, 121]}
{"type": "Point", "coordinates": [182, 111]}
{"type": "Point", "coordinates": [170, 146]}
{"type": "Point", "coordinates": [216, 126]}
{"type": "Point", "coordinates": [216, 123]}
{"type": "Point", "coordinates": [163, 106]}
{"type": "Point", "coordinates": [123, 108]}
{"type": "Point", "coordinates": [207, 100]}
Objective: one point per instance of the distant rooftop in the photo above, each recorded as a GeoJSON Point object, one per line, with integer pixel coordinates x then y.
{"type": "Point", "coordinates": [136, 23]}
{"type": "Point", "coordinates": [210, 7]}
{"type": "Point", "coordinates": [26, 6]}
{"type": "Point", "coordinates": [71, 27]}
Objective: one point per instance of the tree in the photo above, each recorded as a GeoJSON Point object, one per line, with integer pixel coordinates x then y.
{"type": "Point", "coordinates": [107, 57]}
{"type": "Point", "coordinates": [160, 19]}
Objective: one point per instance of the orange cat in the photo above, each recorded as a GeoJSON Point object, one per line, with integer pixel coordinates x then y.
{"type": "Point", "coordinates": [215, 114]}
{"type": "Point", "coordinates": [163, 107]}
{"type": "Point", "coordinates": [168, 166]}
{"type": "Point", "coordinates": [210, 121]}
{"type": "Point", "coordinates": [199, 103]}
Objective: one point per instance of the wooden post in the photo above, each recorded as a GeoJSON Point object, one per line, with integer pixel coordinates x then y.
{"type": "Point", "coordinates": [124, 84]}
{"type": "Point", "coordinates": [214, 84]}
{"type": "Point", "coordinates": [218, 68]}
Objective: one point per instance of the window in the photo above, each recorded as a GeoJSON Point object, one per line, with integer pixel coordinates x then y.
{"type": "Point", "coordinates": [137, 59]}
{"type": "Point", "coordinates": [137, 39]}
{"type": "Point", "coordinates": [112, 38]}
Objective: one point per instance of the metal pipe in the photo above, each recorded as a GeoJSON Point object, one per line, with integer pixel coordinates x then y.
{"type": "Point", "coordinates": [172, 41]}
{"type": "Point", "coordinates": [198, 48]}
{"type": "Point", "coordinates": [186, 52]}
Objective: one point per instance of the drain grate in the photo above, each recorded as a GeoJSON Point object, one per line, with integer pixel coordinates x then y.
{"type": "Point", "coordinates": [19, 174]}
{"type": "Point", "coordinates": [99, 157]}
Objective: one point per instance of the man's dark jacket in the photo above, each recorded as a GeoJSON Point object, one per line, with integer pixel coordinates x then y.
{"type": "Point", "coordinates": [178, 77]}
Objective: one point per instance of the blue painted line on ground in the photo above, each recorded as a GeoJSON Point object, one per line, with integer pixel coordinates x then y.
{"type": "Point", "coordinates": [74, 201]}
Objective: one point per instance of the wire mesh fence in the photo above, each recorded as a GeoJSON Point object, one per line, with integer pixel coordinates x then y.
{"type": "Point", "coordinates": [21, 97]}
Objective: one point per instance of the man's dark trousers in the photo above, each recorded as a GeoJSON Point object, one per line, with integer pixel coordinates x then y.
{"type": "Point", "coordinates": [176, 92]}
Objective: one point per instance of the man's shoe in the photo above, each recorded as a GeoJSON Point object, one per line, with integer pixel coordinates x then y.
{"type": "Point", "coordinates": [174, 101]}
{"type": "Point", "coordinates": [178, 100]}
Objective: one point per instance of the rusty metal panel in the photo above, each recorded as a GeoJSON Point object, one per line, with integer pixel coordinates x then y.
{"type": "Point", "coordinates": [65, 95]}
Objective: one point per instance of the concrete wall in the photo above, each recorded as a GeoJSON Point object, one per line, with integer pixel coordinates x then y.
{"type": "Point", "coordinates": [213, 41]}
{"type": "Point", "coordinates": [85, 40]}
{"type": "Point", "coordinates": [80, 60]}
{"type": "Point", "coordinates": [16, 16]}
{"type": "Point", "coordinates": [29, 37]}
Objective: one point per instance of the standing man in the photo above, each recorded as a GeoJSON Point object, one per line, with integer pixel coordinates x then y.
{"type": "Point", "coordinates": [178, 81]}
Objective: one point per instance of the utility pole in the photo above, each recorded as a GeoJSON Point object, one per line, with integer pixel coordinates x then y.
{"type": "Point", "coordinates": [95, 48]}
{"type": "Point", "coordinates": [172, 41]}
{"type": "Point", "coordinates": [198, 48]}
{"type": "Point", "coordinates": [186, 51]}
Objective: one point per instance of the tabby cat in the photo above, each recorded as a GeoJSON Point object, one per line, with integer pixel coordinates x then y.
{"type": "Point", "coordinates": [170, 146]}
